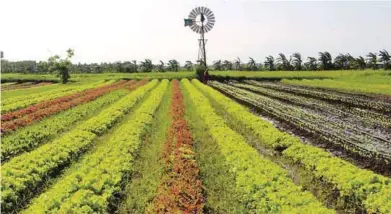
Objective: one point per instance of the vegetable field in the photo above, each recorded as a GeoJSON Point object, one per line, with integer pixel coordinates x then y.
{"type": "Point", "coordinates": [162, 145]}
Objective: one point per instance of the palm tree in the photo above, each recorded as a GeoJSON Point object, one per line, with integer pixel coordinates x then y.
{"type": "Point", "coordinates": [283, 63]}
{"type": "Point", "coordinates": [146, 65]}
{"type": "Point", "coordinates": [296, 61]}
{"type": "Point", "coordinates": [360, 62]}
{"type": "Point", "coordinates": [134, 66]}
{"type": "Point", "coordinates": [173, 65]}
{"type": "Point", "coordinates": [227, 65]}
{"type": "Point", "coordinates": [251, 65]}
{"type": "Point", "coordinates": [188, 65]}
{"type": "Point", "coordinates": [269, 63]}
{"type": "Point", "coordinates": [372, 60]}
{"type": "Point", "coordinates": [160, 67]}
{"type": "Point", "coordinates": [325, 60]}
{"type": "Point", "coordinates": [340, 61]}
{"type": "Point", "coordinates": [385, 58]}
{"type": "Point", "coordinates": [311, 64]}
{"type": "Point", "coordinates": [238, 64]}
{"type": "Point", "coordinates": [217, 65]}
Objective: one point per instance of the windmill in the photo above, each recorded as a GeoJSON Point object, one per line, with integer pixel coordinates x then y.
{"type": "Point", "coordinates": [201, 20]}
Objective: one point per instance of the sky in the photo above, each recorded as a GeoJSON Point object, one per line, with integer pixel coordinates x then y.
{"type": "Point", "coordinates": [124, 30]}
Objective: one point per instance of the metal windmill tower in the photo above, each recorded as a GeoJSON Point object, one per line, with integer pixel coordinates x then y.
{"type": "Point", "coordinates": [201, 20]}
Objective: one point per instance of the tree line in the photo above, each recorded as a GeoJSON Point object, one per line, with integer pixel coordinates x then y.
{"type": "Point", "coordinates": [295, 62]}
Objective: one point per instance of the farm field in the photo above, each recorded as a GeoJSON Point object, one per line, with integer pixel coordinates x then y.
{"type": "Point", "coordinates": [124, 143]}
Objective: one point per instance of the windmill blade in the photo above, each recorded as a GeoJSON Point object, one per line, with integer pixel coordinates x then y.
{"type": "Point", "coordinates": [208, 12]}
{"type": "Point", "coordinates": [196, 26]}
{"type": "Point", "coordinates": [198, 11]}
{"type": "Point", "coordinates": [209, 25]}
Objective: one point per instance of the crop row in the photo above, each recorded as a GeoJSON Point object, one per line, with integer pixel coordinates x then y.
{"type": "Point", "coordinates": [367, 118]}
{"type": "Point", "coordinates": [22, 175]}
{"type": "Point", "coordinates": [332, 130]}
{"type": "Point", "coordinates": [60, 100]}
{"type": "Point", "coordinates": [92, 184]}
{"type": "Point", "coordinates": [42, 110]}
{"type": "Point", "coordinates": [352, 185]}
{"type": "Point", "coordinates": [19, 102]}
{"type": "Point", "coordinates": [32, 136]}
{"type": "Point", "coordinates": [338, 97]}
{"type": "Point", "coordinates": [23, 85]}
{"type": "Point", "coordinates": [264, 186]}
{"type": "Point", "coordinates": [181, 190]}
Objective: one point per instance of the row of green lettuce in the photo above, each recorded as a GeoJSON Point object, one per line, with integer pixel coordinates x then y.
{"type": "Point", "coordinates": [91, 184]}
{"type": "Point", "coordinates": [24, 174]}
{"type": "Point", "coordinates": [363, 189]}
{"type": "Point", "coordinates": [12, 104]}
{"type": "Point", "coordinates": [30, 137]}
{"type": "Point", "coordinates": [263, 185]}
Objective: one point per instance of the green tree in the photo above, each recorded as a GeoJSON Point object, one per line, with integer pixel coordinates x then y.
{"type": "Point", "coordinates": [269, 63]}
{"type": "Point", "coordinates": [146, 65]}
{"type": "Point", "coordinates": [60, 66]}
{"type": "Point", "coordinates": [42, 67]}
{"type": "Point", "coordinates": [217, 65]}
{"type": "Point", "coordinates": [311, 64]}
{"type": "Point", "coordinates": [238, 64]}
{"type": "Point", "coordinates": [325, 60]}
{"type": "Point", "coordinates": [360, 63]}
{"type": "Point", "coordinates": [160, 67]}
{"type": "Point", "coordinates": [296, 61]}
{"type": "Point", "coordinates": [188, 65]}
{"type": "Point", "coordinates": [251, 65]}
{"type": "Point", "coordinates": [227, 65]}
{"type": "Point", "coordinates": [173, 65]}
{"type": "Point", "coordinates": [372, 60]}
{"type": "Point", "coordinates": [283, 63]}
{"type": "Point", "coordinates": [385, 59]}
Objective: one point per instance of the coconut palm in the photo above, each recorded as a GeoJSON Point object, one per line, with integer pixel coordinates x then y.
{"type": "Point", "coordinates": [360, 63]}
{"type": "Point", "coordinates": [340, 61]}
{"type": "Point", "coordinates": [173, 65]}
{"type": "Point", "coordinates": [372, 60]}
{"type": "Point", "coordinates": [283, 63]}
{"type": "Point", "coordinates": [325, 60]}
{"type": "Point", "coordinates": [146, 65]}
{"type": "Point", "coordinates": [385, 58]}
{"type": "Point", "coordinates": [251, 65]}
{"type": "Point", "coordinates": [311, 64]}
{"type": "Point", "coordinates": [160, 67]}
{"type": "Point", "coordinates": [217, 65]}
{"type": "Point", "coordinates": [227, 65]}
{"type": "Point", "coordinates": [269, 63]}
{"type": "Point", "coordinates": [188, 65]}
{"type": "Point", "coordinates": [238, 64]}
{"type": "Point", "coordinates": [296, 61]}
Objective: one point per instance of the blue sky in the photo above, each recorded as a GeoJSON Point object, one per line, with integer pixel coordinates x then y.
{"type": "Point", "coordinates": [119, 30]}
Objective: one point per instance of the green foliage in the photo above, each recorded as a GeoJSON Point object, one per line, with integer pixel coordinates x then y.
{"type": "Point", "coordinates": [146, 65]}
{"type": "Point", "coordinates": [219, 183]}
{"type": "Point", "coordinates": [61, 66]}
{"type": "Point", "coordinates": [263, 185]}
{"type": "Point", "coordinates": [92, 185]}
{"type": "Point", "coordinates": [173, 65]}
{"type": "Point", "coordinates": [377, 82]}
{"type": "Point", "coordinates": [148, 168]}
{"type": "Point", "coordinates": [24, 173]}
{"type": "Point", "coordinates": [12, 104]}
{"type": "Point", "coordinates": [32, 136]}
{"type": "Point", "coordinates": [353, 184]}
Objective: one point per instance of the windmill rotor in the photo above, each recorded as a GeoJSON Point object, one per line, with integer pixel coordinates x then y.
{"type": "Point", "coordinates": [202, 19]}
